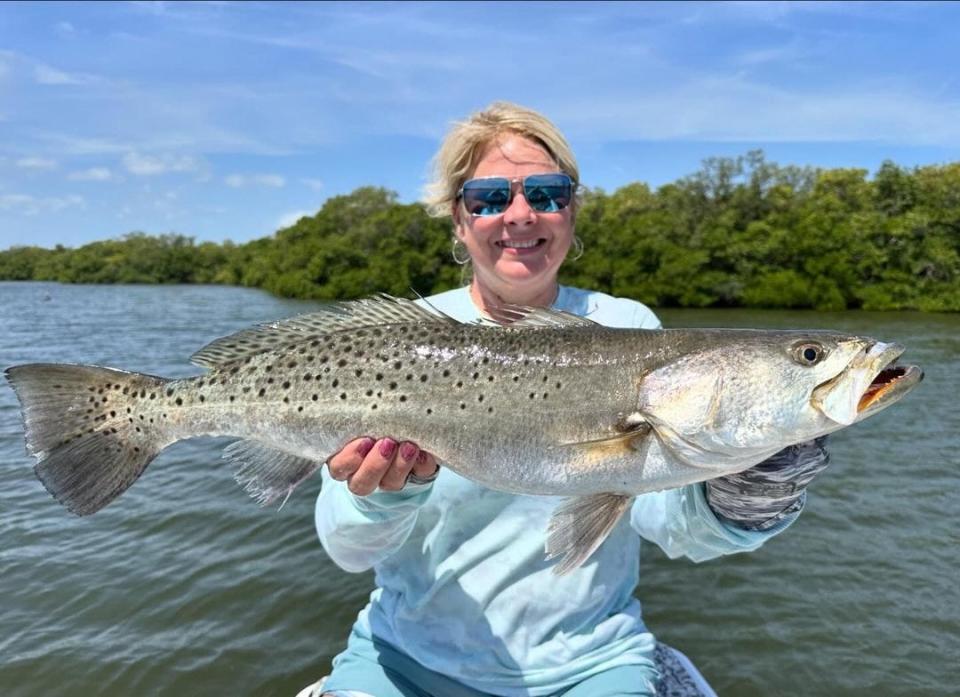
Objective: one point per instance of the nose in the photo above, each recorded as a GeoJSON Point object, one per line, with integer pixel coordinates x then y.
{"type": "Point", "coordinates": [519, 211]}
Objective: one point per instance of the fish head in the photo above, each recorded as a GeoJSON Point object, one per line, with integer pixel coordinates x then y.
{"type": "Point", "coordinates": [744, 393]}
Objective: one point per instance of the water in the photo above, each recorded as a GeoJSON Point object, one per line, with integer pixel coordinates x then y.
{"type": "Point", "coordinates": [185, 586]}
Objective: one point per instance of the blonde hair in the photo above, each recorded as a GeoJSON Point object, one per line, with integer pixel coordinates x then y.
{"type": "Point", "coordinates": [467, 141]}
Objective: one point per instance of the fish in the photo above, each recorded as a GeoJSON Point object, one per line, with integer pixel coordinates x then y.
{"type": "Point", "coordinates": [528, 401]}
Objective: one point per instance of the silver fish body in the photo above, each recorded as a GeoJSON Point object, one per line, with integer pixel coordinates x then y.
{"type": "Point", "coordinates": [545, 403]}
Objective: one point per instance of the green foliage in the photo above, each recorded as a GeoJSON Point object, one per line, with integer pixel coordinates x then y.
{"type": "Point", "coordinates": [740, 232]}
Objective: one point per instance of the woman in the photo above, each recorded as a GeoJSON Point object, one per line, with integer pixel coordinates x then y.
{"type": "Point", "coordinates": [466, 603]}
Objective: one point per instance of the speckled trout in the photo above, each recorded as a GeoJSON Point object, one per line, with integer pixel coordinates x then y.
{"type": "Point", "coordinates": [532, 401]}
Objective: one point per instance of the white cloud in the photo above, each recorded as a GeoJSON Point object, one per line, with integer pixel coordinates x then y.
{"type": "Point", "coordinates": [315, 184]}
{"type": "Point", "coordinates": [33, 205]}
{"type": "Point", "coordinates": [149, 165]}
{"type": "Point", "coordinates": [238, 181]}
{"type": "Point", "coordinates": [36, 163]}
{"type": "Point", "coordinates": [94, 174]}
{"type": "Point", "coordinates": [45, 75]}
{"type": "Point", "coordinates": [65, 28]}
{"type": "Point", "coordinates": [288, 219]}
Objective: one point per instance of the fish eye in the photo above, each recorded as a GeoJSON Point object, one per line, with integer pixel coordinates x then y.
{"type": "Point", "coordinates": [809, 353]}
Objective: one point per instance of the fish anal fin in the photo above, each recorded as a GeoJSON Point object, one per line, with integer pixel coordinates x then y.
{"type": "Point", "coordinates": [580, 525]}
{"type": "Point", "coordinates": [267, 472]}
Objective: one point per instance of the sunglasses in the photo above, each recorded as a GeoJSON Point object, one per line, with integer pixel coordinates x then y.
{"type": "Point", "coordinates": [545, 193]}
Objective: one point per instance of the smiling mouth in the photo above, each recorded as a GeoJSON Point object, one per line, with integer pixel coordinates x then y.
{"type": "Point", "coordinates": [521, 244]}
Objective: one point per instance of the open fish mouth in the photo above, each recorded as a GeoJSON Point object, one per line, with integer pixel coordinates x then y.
{"type": "Point", "coordinates": [887, 386]}
{"type": "Point", "coordinates": [871, 382]}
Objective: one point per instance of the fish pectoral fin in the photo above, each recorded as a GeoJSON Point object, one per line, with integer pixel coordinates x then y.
{"type": "Point", "coordinates": [579, 525]}
{"type": "Point", "coordinates": [267, 472]}
{"type": "Point", "coordinates": [630, 443]}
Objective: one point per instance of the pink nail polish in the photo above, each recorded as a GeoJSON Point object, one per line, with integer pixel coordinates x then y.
{"type": "Point", "coordinates": [408, 451]}
{"type": "Point", "coordinates": [388, 447]}
{"type": "Point", "coordinates": [365, 446]}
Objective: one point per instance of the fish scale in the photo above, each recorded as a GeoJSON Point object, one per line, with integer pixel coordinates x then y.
{"type": "Point", "coordinates": [533, 402]}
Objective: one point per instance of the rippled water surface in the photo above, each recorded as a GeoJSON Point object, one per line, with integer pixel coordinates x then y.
{"type": "Point", "coordinates": [185, 587]}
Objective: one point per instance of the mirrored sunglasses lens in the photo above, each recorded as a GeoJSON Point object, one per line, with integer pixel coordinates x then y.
{"type": "Point", "coordinates": [548, 193]}
{"type": "Point", "coordinates": [486, 196]}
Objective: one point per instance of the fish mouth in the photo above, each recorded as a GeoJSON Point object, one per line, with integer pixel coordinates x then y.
{"type": "Point", "coordinates": [892, 382]}
{"type": "Point", "coordinates": [872, 381]}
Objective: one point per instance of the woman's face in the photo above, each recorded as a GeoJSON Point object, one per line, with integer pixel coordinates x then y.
{"type": "Point", "coordinates": [516, 254]}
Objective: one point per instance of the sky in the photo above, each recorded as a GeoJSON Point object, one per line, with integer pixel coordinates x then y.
{"type": "Point", "coordinates": [223, 120]}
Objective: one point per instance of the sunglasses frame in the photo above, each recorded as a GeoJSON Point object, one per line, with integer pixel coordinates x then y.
{"type": "Point", "coordinates": [523, 187]}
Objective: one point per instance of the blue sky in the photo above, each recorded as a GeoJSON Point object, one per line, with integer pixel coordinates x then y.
{"type": "Point", "coordinates": [225, 120]}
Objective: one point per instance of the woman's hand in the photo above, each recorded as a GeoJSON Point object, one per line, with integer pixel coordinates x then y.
{"type": "Point", "coordinates": [367, 464]}
{"type": "Point", "coordinates": [762, 496]}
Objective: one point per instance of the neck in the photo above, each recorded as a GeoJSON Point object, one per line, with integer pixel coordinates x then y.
{"type": "Point", "coordinates": [485, 298]}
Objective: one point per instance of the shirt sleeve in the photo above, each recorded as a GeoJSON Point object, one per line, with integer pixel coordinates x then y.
{"type": "Point", "coordinates": [682, 524]}
{"type": "Point", "coordinates": [361, 531]}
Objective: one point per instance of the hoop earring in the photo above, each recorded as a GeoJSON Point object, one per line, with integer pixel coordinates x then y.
{"type": "Point", "coordinates": [577, 248]}
{"type": "Point", "coordinates": [459, 252]}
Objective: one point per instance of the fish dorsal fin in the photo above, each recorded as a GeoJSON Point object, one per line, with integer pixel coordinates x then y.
{"type": "Point", "coordinates": [377, 311]}
{"type": "Point", "coordinates": [523, 317]}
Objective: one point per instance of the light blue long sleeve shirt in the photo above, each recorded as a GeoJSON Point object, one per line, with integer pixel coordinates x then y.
{"type": "Point", "coordinates": [462, 584]}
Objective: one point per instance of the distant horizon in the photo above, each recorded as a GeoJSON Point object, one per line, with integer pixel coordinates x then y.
{"type": "Point", "coordinates": [227, 121]}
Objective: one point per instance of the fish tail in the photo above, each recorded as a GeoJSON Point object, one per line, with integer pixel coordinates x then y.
{"type": "Point", "coordinates": [85, 426]}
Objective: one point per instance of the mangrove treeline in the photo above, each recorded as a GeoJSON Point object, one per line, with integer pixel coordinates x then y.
{"type": "Point", "coordinates": [739, 232]}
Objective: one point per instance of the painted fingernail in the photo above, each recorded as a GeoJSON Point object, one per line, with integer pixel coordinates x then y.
{"type": "Point", "coordinates": [387, 447]}
{"type": "Point", "coordinates": [408, 451]}
{"type": "Point", "coordinates": [422, 457]}
{"type": "Point", "coordinates": [365, 446]}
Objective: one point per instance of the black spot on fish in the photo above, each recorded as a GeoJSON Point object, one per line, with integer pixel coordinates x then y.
{"type": "Point", "coordinates": [269, 381]}
{"type": "Point", "coordinates": [286, 384]}
{"type": "Point", "coordinates": [423, 378]}
{"type": "Point", "coordinates": [403, 398]}
{"type": "Point", "coordinates": [179, 401]}
{"type": "Point", "coordinates": [335, 383]}
{"type": "Point", "coordinates": [307, 377]}
{"type": "Point", "coordinates": [315, 397]}
{"type": "Point", "coordinates": [446, 373]}
{"type": "Point", "coordinates": [342, 362]}
{"type": "Point", "coordinates": [169, 391]}
{"type": "Point", "coordinates": [202, 399]}
{"type": "Point", "coordinates": [262, 392]}
{"type": "Point", "coordinates": [358, 372]}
